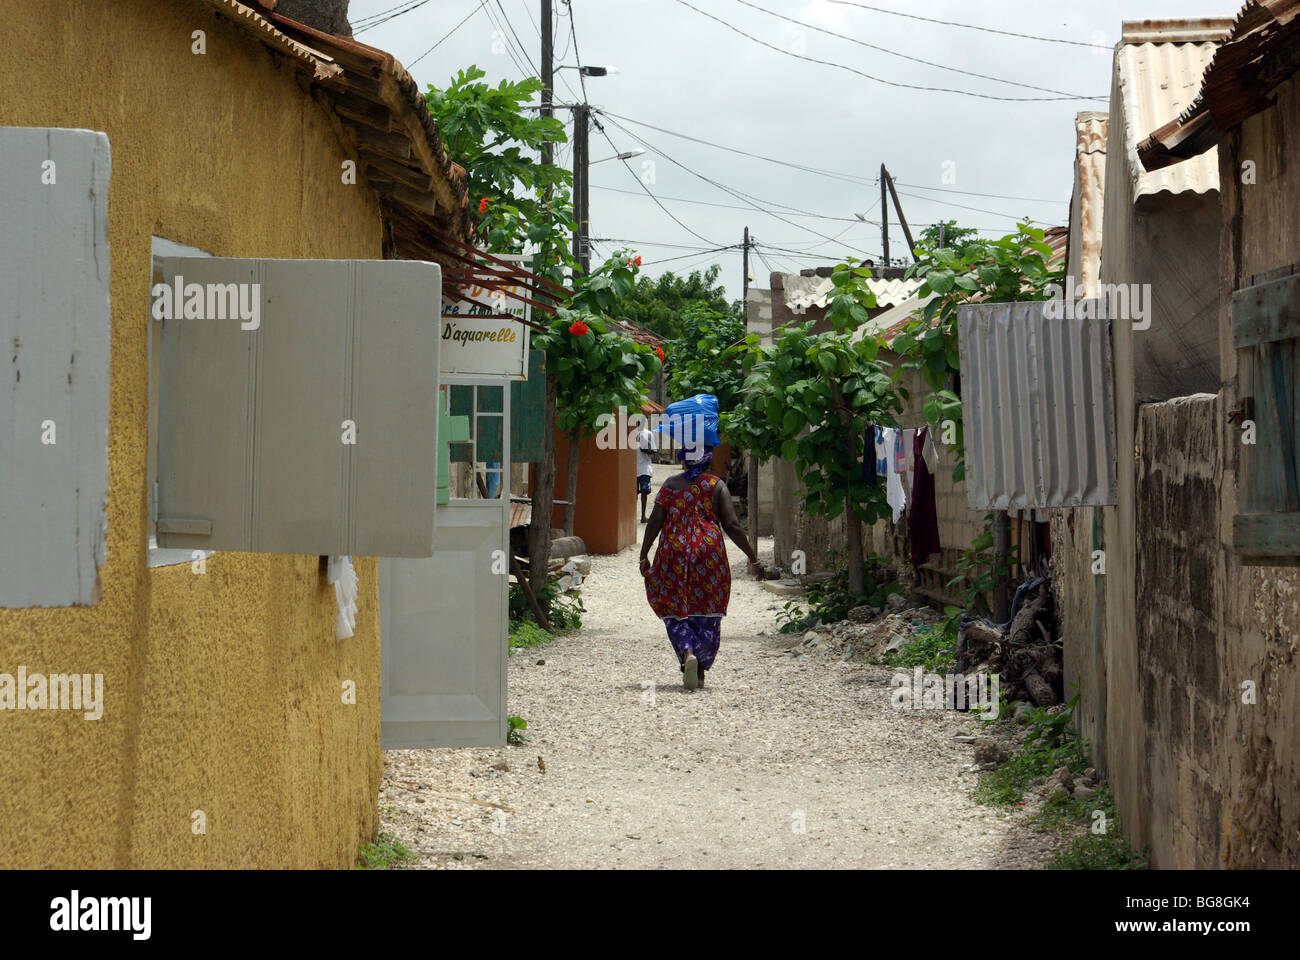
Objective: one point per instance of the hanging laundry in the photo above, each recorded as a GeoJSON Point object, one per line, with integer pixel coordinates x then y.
{"type": "Point", "coordinates": [923, 519]}
{"type": "Point", "coordinates": [869, 474]}
{"type": "Point", "coordinates": [929, 452]}
{"type": "Point", "coordinates": [894, 493]}
{"type": "Point", "coordinates": [903, 450]}
{"type": "Point", "coordinates": [882, 453]}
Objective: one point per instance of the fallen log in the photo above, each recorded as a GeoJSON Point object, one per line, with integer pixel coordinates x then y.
{"type": "Point", "coordinates": [1039, 690]}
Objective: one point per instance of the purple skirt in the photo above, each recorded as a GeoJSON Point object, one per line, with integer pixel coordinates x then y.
{"type": "Point", "coordinates": [697, 635]}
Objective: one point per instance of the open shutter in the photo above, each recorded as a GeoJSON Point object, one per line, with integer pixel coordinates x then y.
{"type": "Point", "coordinates": [443, 630]}
{"type": "Point", "coordinates": [253, 423]}
{"type": "Point", "coordinates": [54, 378]}
{"type": "Point", "coordinates": [1266, 331]}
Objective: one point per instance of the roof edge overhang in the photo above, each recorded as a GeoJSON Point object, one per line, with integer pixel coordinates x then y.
{"type": "Point", "coordinates": [1261, 52]}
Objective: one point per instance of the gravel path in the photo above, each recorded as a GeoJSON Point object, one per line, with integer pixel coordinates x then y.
{"type": "Point", "coordinates": [780, 761]}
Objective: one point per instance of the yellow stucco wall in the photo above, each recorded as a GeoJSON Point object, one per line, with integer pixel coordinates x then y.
{"type": "Point", "coordinates": [223, 690]}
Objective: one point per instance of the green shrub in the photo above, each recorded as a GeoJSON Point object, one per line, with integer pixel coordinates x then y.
{"type": "Point", "coordinates": [563, 610]}
{"type": "Point", "coordinates": [525, 634]}
{"type": "Point", "coordinates": [384, 854]}
{"type": "Point", "coordinates": [930, 648]}
{"type": "Point", "coordinates": [828, 600]}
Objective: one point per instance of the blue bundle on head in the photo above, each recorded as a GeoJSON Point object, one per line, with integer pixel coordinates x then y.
{"type": "Point", "coordinates": [692, 423]}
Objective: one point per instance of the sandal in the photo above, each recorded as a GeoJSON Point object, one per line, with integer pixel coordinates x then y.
{"type": "Point", "coordinates": [691, 672]}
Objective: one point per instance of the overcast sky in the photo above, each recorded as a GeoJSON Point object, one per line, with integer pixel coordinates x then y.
{"type": "Point", "coordinates": [681, 71]}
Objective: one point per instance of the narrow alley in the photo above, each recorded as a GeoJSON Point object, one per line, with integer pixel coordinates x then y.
{"type": "Point", "coordinates": [642, 773]}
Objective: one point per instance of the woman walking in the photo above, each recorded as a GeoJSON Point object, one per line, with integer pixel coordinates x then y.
{"type": "Point", "coordinates": [689, 583]}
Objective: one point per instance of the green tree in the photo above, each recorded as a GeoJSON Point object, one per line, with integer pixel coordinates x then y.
{"type": "Point", "coordinates": [519, 201]}
{"type": "Point", "coordinates": [808, 399]}
{"type": "Point", "coordinates": [660, 303]}
{"type": "Point", "coordinates": [697, 357]}
{"type": "Point", "coordinates": [953, 235]}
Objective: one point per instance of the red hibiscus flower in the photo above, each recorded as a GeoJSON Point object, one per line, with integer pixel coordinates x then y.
{"type": "Point", "coordinates": [483, 205]}
{"type": "Point", "coordinates": [578, 328]}
{"type": "Point", "coordinates": [660, 351]}
{"type": "Point", "coordinates": [636, 262]}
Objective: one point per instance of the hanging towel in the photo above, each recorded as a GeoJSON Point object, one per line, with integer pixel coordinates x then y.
{"type": "Point", "coordinates": [894, 494]}
{"type": "Point", "coordinates": [923, 520]}
{"type": "Point", "coordinates": [929, 453]}
{"type": "Point", "coordinates": [903, 450]}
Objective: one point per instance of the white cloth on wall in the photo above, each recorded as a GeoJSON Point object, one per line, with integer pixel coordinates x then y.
{"type": "Point", "coordinates": [894, 494]}
{"type": "Point", "coordinates": [343, 575]}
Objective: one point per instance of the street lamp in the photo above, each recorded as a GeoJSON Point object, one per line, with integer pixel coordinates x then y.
{"type": "Point", "coordinates": [625, 155]}
{"type": "Point", "coordinates": [591, 71]}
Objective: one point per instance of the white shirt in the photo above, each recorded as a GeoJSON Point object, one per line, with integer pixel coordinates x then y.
{"type": "Point", "coordinates": [645, 443]}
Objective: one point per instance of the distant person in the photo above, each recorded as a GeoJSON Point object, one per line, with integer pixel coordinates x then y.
{"type": "Point", "coordinates": [645, 446]}
{"type": "Point", "coordinates": [689, 583]}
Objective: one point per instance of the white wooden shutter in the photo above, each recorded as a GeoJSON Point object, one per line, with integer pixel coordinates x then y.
{"type": "Point", "coordinates": [250, 426]}
{"type": "Point", "coordinates": [54, 378]}
{"type": "Point", "coordinates": [443, 630]}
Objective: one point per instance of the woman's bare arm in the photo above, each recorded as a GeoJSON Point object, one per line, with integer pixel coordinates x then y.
{"type": "Point", "coordinates": [726, 512]}
{"type": "Point", "coordinates": [651, 534]}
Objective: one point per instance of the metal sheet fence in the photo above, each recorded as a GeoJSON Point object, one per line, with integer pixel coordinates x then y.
{"type": "Point", "coordinates": [1037, 405]}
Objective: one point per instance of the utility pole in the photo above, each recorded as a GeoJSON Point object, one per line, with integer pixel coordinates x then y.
{"type": "Point", "coordinates": [751, 484]}
{"type": "Point", "coordinates": [744, 282]}
{"type": "Point", "coordinates": [548, 80]}
{"type": "Point", "coordinates": [542, 487]}
{"type": "Point", "coordinates": [898, 208]}
{"type": "Point", "coordinates": [581, 122]}
{"type": "Point", "coordinates": [884, 214]}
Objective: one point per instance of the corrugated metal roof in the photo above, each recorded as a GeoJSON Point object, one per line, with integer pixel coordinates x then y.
{"type": "Point", "coordinates": [1157, 81]}
{"type": "Point", "coordinates": [1262, 50]}
{"type": "Point", "coordinates": [803, 292]}
{"type": "Point", "coordinates": [1182, 30]}
{"type": "Point", "coordinates": [1037, 408]}
{"type": "Point", "coordinates": [1086, 205]}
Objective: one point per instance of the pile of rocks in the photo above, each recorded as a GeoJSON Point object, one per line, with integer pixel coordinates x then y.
{"type": "Point", "coordinates": [869, 632]}
{"type": "Point", "coordinates": [1062, 782]}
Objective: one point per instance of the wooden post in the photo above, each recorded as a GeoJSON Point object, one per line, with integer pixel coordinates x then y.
{"type": "Point", "coordinates": [1001, 579]}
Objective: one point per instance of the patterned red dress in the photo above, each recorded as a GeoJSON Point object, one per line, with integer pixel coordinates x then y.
{"type": "Point", "coordinates": [691, 576]}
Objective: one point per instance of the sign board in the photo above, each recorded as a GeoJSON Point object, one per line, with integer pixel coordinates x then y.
{"type": "Point", "coordinates": [476, 340]}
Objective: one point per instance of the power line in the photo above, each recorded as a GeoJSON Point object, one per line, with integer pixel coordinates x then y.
{"type": "Point", "coordinates": [577, 57]}
{"type": "Point", "coordinates": [848, 177]}
{"type": "Point", "coordinates": [522, 49]}
{"type": "Point", "coordinates": [904, 56]}
{"type": "Point", "coordinates": [526, 68]}
{"type": "Point", "coordinates": [482, 4]}
{"type": "Point", "coordinates": [721, 186]}
{"type": "Point", "coordinates": [969, 26]}
{"type": "Point", "coordinates": [726, 206]}
{"type": "Point", "coordinates": [599, 126]}
{"type": "Point", "coordinates": [392, 13]}
{"type": "Point", "coordinates": [745, 153]}
{"type": "Point", "coordinates": [854, 70]}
